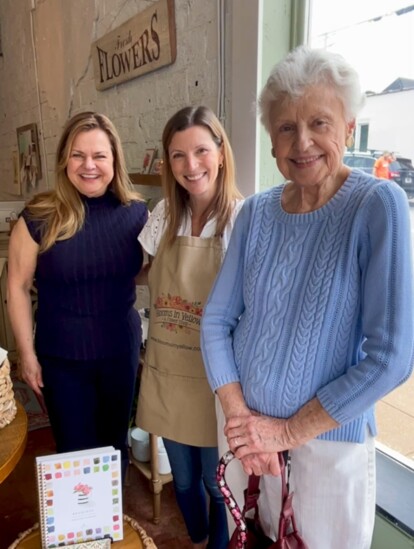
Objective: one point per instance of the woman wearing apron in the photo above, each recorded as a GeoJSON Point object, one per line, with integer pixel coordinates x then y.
{"type": "Point", "coordinates": [187, 235]}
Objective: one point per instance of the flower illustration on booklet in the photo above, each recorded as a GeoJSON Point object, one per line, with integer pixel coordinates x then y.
{"type": "Point", "coordinates": [82, 492]}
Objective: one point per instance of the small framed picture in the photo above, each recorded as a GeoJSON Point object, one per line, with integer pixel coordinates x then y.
{"type": "Point", "coordinates": [149, 156]}
{"type": "Point", "coordinates": [156, 166]}
{"type": "Point", "coordinates": [30, 170]}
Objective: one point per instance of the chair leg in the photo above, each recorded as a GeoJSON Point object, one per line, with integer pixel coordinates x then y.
{"type": "Point", "coordinates": [156, 507]}
{"type": "Point", "coordinates": [155, 478]}
{"type": "Point", "coordinates": [127, 480]}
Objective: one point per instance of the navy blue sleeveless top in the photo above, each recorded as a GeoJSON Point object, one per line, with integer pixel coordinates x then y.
{"type": "Point", "coordinates": [86, 286]}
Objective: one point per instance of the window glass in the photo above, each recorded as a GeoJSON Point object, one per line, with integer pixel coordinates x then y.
{"type": "Point", "coordinates": [363, 137]}
{"type": "Point", "coordinates": [377, 38]}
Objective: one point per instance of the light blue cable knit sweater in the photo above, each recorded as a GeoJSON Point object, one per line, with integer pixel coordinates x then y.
{"type": "Point", "coordinates": [316, 304]}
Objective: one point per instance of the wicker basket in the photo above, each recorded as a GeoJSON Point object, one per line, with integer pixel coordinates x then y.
{"type": "Point", "coordinates": [146, 540]}
{"type": "Point", "coordinates": [8, 408]}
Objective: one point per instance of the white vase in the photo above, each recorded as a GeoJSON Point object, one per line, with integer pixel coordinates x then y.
{"type": "Point", "coordinates": [164, 466]}
{"type": "Point", "coordinates": [140, 444]}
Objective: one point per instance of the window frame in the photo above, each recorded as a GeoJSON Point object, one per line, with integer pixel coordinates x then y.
{"type": "Point", "coordinates": [395, 487]}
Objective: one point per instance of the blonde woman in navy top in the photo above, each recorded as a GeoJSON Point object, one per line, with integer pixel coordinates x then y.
{"type": "Point", "coordinates": [79, 242]}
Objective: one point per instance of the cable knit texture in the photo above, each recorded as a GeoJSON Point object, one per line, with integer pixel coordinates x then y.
{"type": "Point", "coordinates": [316, 304]}
{"type": "Point", "coordinates": [86, 286]}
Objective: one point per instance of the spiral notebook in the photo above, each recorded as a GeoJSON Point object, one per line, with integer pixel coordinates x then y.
{"type": "Point", "coordinates": [80, 496]}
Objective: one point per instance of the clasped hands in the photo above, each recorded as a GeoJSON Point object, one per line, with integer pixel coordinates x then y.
{"type": "Point", "coordinates": [255, 440]}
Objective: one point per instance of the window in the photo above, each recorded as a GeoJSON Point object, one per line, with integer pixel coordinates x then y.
{"type": "Point", "coordinates": [376, 37]}
{"type": "Point", "coordinates": [363, 137]}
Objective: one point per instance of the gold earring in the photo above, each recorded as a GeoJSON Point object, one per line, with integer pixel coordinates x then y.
{"type": "Point", "coordinates": [350, 141]}
{"type": "Point", "coordinates": [272, 150]}
{"type": "Point", "coordinates": [221, 166]}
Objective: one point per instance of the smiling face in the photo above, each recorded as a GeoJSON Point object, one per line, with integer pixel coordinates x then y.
{"type": "Point", "coordinates": [195, 159]}
{"type": "Point", "coordinates": [90, 166]}
{"type": "Point", "coordinates": [308, 137]}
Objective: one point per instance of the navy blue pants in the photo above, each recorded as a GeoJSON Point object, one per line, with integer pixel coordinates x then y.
{"type": "Point", "coordinates": [194, 473]}
{"type": "Point", "coordinates": [89, 401]}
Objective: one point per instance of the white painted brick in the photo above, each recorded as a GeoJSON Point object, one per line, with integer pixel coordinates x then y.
{"type": "Point", "coordinates": [139, 108]}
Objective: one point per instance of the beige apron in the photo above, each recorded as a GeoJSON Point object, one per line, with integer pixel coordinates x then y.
{"type": "Point", "coordinates": [175, 399]}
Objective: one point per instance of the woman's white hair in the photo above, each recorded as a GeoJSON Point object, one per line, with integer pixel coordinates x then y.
{"type": "Point", "coordinates": [304, 67]}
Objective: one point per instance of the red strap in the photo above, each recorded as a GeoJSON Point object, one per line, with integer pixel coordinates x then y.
{"type": "Point", "coordinates": [251, 494]}
{"type": "Point", "coordinates": [282, 465]}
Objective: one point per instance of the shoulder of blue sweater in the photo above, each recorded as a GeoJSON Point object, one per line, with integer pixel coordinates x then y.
{"type": "Point", "coordinates": [387, 186]}
{"type": "Point", "coordinates": [380, 199]}
{"type": "Point", "coordinates": [389, 190]}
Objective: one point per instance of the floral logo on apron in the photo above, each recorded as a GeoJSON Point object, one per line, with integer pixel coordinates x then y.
{"type": "Point", "coordinates": [176, 314]}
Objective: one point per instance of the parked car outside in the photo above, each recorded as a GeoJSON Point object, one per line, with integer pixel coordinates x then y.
{"type": "Point", "coordinates": [362, 161]}
{"type": "Point", "coordinates": [402, 170]}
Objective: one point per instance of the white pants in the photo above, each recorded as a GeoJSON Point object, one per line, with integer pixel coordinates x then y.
{"type": "Point", "coordinates": [334, 485]}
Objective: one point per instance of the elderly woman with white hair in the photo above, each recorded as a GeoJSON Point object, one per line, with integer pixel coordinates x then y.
{"type": "Point", "coordinates": [310, 321]}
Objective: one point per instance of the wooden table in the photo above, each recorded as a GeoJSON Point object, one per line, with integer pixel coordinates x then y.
{"type": "Point", "coordinates": [13, 439]}
{"type": "Point", "coordinates": [134, 538]}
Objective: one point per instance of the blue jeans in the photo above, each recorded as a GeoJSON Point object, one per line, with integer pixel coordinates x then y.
{"type": "Point", "coordinates": [194, 472]}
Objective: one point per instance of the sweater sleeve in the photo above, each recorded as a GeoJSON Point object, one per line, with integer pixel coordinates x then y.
{"type": "Point", "coordinates": [387, 309]}
{"type": "Point", "coordinates": [224, 307]}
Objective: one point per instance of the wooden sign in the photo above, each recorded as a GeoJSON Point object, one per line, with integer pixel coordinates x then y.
{"type": "Point", "coordinates": [143, 44]}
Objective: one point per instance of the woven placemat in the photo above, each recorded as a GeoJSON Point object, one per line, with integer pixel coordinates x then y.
{"type": "Point", "coordinates": [8, 407]}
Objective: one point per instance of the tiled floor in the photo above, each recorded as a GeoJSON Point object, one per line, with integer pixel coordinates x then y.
{"type": "Point", "coordinates": [18, 500]}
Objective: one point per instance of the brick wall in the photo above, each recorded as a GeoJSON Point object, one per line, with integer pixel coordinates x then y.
{"type": "Point", "coordinates": [46, 75]}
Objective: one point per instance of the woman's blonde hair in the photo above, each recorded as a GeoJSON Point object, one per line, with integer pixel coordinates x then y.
{"type": "Point", "coordinates": [62, 209]}
{"type": "Point", "coordinates": [177, 198]}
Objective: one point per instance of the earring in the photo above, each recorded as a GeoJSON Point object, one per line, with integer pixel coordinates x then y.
{"type": "Point", "coordinates": [350, 141]}
{"type": "Point", "coordinates": [272, 150]}
{"type": "Point", "coordinates": [221, 166]}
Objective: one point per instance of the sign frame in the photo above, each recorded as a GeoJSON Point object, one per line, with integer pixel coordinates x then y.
{"type": "Point", "coordinates": [144, 43]}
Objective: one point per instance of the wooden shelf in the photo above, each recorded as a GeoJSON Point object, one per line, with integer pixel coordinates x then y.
{"type": "Point", "coordinates": [150, 471]}
{"type": "Point", "coordinates": [145, 179]}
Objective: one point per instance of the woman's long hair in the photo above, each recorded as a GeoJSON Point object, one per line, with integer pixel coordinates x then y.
{"type": "Point", "coordinates": [177, 198]}
{"type": "Point", "coordinates": [62, 210]}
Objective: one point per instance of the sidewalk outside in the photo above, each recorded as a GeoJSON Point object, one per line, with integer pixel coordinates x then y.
{"type": "Point", "coordinates": [395, 419]}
